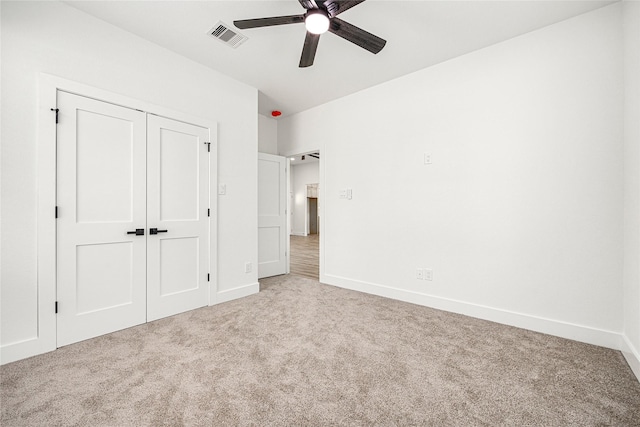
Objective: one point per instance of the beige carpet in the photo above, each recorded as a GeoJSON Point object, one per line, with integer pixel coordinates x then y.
{"type": "Point", "coordinates": [301, 353]}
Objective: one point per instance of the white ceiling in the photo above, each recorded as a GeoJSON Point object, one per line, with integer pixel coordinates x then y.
{"type": "Point", "coordinates": [418, 33]}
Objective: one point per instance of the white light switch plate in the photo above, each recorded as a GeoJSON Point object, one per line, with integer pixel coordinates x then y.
{"type": "Point", "coordinates": [428, 274]}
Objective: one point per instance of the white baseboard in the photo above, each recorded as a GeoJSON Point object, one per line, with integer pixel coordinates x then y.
{"type": "Point", "coordinates": [297, 233]}
{"type": "Point", "coordinates": [24, 349]}
{"type": "Point", "coordinates": [557, 328]}
{"type": "Point", "coordinates": [632, 355]}
{"type": "Point", "coordinates": [240, 292]}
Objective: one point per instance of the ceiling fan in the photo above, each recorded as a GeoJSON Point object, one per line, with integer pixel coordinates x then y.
{"type": "Point", "coordinates": [320, 17]}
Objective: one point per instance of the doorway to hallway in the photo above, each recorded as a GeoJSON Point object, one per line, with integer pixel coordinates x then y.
{"type": "Point", "coordinates": [305, 215]}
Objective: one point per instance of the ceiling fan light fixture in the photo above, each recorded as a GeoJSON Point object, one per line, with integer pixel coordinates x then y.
{"type": "Point", "coordinates": [320, 17]}
{"type": "Point", "coordinates": [316, 21]}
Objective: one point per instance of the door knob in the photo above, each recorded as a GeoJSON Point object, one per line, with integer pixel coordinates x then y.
{"type": "Point", "coordinates": [156, 231]}
{"type": "Point", "coordinates": [138, 232]}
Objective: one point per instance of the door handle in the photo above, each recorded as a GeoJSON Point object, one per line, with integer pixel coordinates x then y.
{"type": "Point", "coordinates": [156, 231]}
{"type": "Point", "coordinates": [138, 232]}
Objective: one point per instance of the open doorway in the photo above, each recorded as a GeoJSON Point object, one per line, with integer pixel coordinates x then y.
{"type": "Point", "coordinates": [305, 215]}
{"type": "Point", "coordinates": [312, 214]}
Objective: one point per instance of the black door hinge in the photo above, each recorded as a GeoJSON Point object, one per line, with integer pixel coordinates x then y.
{"type": "Point", "coordinates": [56, 212]}
{"type": "Point", "coordinates": [56, 307]}
{"type": "Point", "coordinates": [208, 146]}
{"type": "Point", "coordinates": [208, 212]}
{"type": "Point", "coordinates": [56, 110]}
{"type": "Point", "coordinates": [208, 277]}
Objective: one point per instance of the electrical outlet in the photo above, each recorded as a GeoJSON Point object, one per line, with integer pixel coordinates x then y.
{"type": "Point", "coordinates": [222, 189]}
{"type": "Point", "coordinates": [420, 274]}
{"type": "Point", "coordinates": [427, 159]}
{"type": "Point", "coordinates": [248, 267]}
{"type": "Point", "coordinates": [428, 274]}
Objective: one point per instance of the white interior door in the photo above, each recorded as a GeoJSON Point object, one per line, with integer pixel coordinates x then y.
{"type": "Point", "coordinates": [272, 215]}
{"type": "Point", "coordinates": [177, 203]}
{"type": "Point", "coordinates": [101, 197]}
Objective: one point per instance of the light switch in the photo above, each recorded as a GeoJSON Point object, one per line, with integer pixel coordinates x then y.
{"type": "Point", "coordinates": [428, 274]}
{"type": "Point", "coordinates": [222, 189]}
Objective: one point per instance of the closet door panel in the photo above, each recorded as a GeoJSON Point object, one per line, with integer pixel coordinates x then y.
{"type": "Point", "coordinates": [177, 202]}
{"type": "Point", "coordinates": [101, 280]}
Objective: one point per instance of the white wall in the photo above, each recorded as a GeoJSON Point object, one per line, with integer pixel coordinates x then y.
{"type": "Point", "coordinates": [632, 184]}
{"type": "Point", "coordinates": [50, 37]}
{"type": "Point", "coordinates": [267, 135]}
{"type": "Point", "coordinates": [520, 214]}
{"type": "Point", "coordinates": [301, 175]}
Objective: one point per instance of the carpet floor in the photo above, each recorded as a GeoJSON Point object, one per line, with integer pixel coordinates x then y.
{"type": "Point", "coordinates": [300, 353]}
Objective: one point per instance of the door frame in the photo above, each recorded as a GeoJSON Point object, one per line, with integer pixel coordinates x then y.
{"type": "Point", "coordinates": [289, 208]}
{"type": "Point", "coordinates": [48, 87]}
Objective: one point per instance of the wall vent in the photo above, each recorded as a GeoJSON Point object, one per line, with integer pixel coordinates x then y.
{"type": "Point", "coordinates": [227, 36]}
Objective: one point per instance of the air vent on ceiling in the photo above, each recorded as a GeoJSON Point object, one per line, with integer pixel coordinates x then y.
{"type": "Point", "coordinates": [229, 37]}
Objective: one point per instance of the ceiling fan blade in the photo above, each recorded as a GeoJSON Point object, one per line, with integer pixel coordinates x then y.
{"type": "Point", "coordinates": [244, 24]}
{"type": "Point", "coordinates": [308, 4]}
{"type": "Point", "coordinates": [345, 5]}
{"type": "Point", "coordinates": [309, 50]}
{"type": "Point", "coordinates": [362, 38]}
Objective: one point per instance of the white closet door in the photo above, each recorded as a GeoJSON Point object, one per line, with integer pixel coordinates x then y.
{"type": "Point", "coordinates": [101, 198]}
{"type": "Point", "coordinates": [272, 218]}
{"type": "Point", "coordinates": [177, 203]}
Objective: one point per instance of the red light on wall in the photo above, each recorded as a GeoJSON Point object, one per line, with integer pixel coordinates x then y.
{"type": "Point", "coordinates": [276, 113]}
